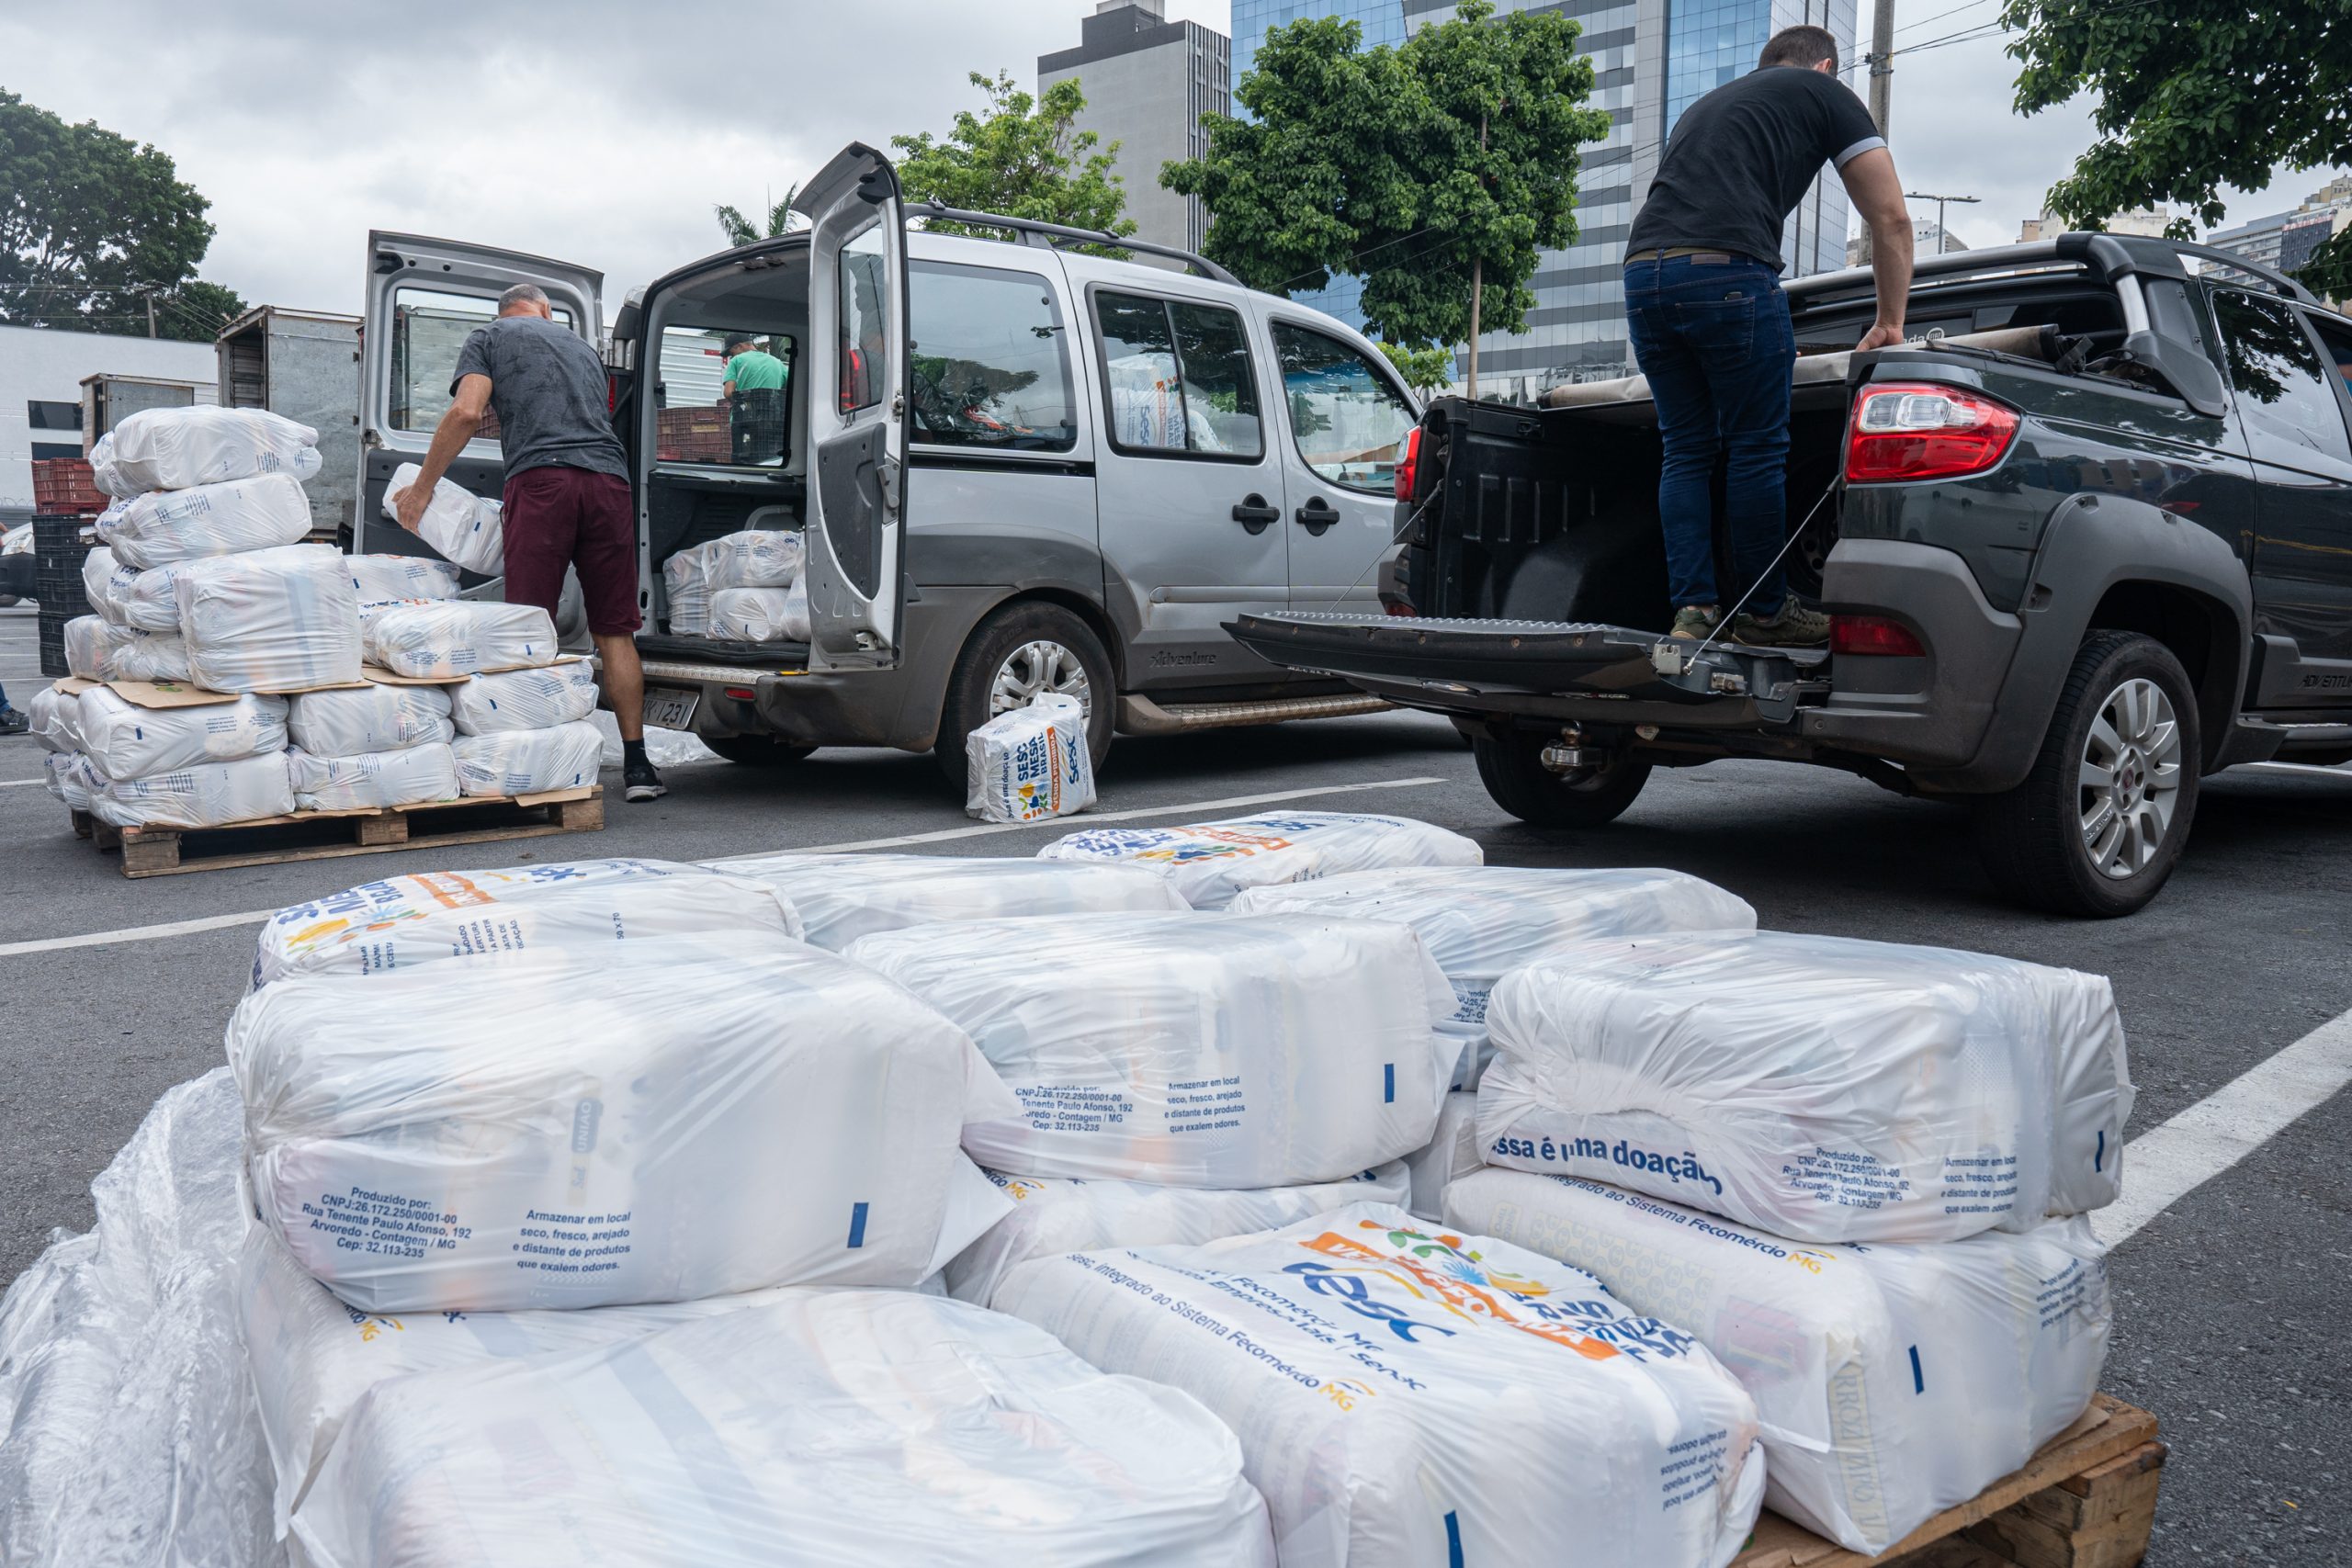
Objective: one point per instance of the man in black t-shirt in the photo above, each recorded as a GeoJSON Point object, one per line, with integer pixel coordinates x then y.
{"type": "Point", "coordinates": [1711, 327]}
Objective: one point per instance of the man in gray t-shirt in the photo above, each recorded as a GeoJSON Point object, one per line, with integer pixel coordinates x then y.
{"type": "Point", "coordinates": [566, 500]}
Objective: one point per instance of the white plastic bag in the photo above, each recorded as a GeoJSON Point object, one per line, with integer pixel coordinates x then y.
{"type": "Point", "coordinates": [524, 699]}
{"type": "Point", "coordinates": [1211, 861]}
{"type": "Point", "coordinates": [124, 741]}
{"type": "Point", "coordinates": [1057, 1214]}
{"type": "Point", "coordinates": [177, 448]}
{"type": "Point", "coordinates": [825, 1426]}
{"type": "Point", "coordinates": [1451, 1154]}
{"type": "Point", "coordinates": [91, 643]}
{"type": "Point", "coordinates": [1406, 1400]}
{"type": "Point", "coordinates": [373, 779]}
{"type": "Point", "coordinates": [377, 927]}
{"type": "Point", "coordinates": [842, 898]}
{"type": "Point", "coordinates": [629, 1121]}
{"type": "Point", "coordinates": [149, 600]}
{"type": "Point", "coordinates": [1892, 1382]}
{"type": "Point", "coordinates": [465, 528]}
{"type": "Point", "coordinates": [760, 615]}
{"type": "Point", "coordinates": [1480, 921]}
{"type": "Point", "coordinates": [371, 608]}
{"type": "Point", "coordinates": [56, 720]}
{"type": "Point", "coordinates": [457, 638]}
{"type": "Point", "coordinates": [104, 582]}
{"type": "Point", "coordinates": [255, 513]}
{"type": "Point", "coordinates": [754, 558]}
{"type": "Point", "coordinates": [274, 620]}
{"type": "Point", "coordinates": [374, 717]}
{"type": "Point", "coordinates": [400, 576]}
{"type": "Point", "coordinates": [527, 761]}
{"type": "Point", "coordinates": [1234, 1051]}
{"type": "Point", "coordinates": [152, 656]}
{"type": "Point", "coordinates": [1029, 762]}
{"type": "Point", "coordinates": [124, 1385]}
{"type": "Point", "coordinates": [1816, 1088]}
{"type": "Point", "coordinates": [204, 794]}
{"type": "Point", "coordinates": [68, 775]}
{"type": "Point", "coordinates": [685, 592]}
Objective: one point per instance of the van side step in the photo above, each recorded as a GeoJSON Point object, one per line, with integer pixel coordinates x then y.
{"type": "Point", "coordinates": [1141, 716]}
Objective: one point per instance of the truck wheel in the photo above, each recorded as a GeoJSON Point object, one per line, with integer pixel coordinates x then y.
{"type": "Point", "coordinates": [1019, 653]}
{"type": "Point", "coordinates": [1513, 772]}
{"type": "Point", "coordinates": [2100, 822]}
{"type": "Point", "coordinates": [758, 750]}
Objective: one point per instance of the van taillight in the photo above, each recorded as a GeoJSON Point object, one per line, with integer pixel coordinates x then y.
{"type": "Point", "coordinates": [1409, 467]}
{"type": "Point", "coordinates": [1907, 431]}
{"type": "Point", "coordinates": [1873, 634]}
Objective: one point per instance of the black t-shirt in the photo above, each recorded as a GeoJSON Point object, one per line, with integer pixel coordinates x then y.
{"type": "Point", "coordinates": [1740, 158]}
{"type": "Point", "coordinates": [548, 388]}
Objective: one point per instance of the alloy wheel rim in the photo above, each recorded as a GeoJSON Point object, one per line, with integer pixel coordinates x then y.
{"type": "Point", "coordinates": [1034, 668]}
{"type": "Point", "coordinates": [2129, 779]}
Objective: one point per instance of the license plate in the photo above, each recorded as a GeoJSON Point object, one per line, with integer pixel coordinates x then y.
{"type": "Point", "coordinates": [666, 707]}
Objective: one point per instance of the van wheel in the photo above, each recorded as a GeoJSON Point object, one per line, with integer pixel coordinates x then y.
{"type": "Point", "coordinates": [2098, 825]}
{"type": "Point", "coordinates": [758, 750]}
{"type": "Point", "coordinates": [1016, 653]}
{"type": "Point", "coordinates": [1513, 772]}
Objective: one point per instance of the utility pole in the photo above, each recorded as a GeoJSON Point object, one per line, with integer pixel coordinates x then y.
{"type": "Point", "coordinates": [1477, 281]}
{"type": "Point", "coordinates": [1882, 59]}
{"type": "Point", "coordinates": [150, 297]}
{"type": "Point", "coordinates": [1939, 200]}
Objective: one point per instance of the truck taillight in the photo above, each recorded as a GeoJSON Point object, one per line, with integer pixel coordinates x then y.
{"type": "Point", "coordinates": [1408, 466]}
{"type": "Point", "coordinates": [1921, 431]}
{"type": "Point", "coordinates": [1872, 633]}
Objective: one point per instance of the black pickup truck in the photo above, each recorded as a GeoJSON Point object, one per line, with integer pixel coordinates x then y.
{"type": "Point", "coordinates": [2085, 539]}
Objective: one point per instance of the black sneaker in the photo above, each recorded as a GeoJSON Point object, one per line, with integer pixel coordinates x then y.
{"type": "Point", "coordinates": [14, 722]}
{"type": "Point", "coordinates": [639, 781]}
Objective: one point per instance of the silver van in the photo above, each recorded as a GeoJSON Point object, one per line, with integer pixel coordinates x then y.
{"type": "Point", "coordinates": [1019, 468]}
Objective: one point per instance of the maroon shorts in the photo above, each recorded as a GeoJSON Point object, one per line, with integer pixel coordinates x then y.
{"type": "Point", "coordinates": [557, 517]}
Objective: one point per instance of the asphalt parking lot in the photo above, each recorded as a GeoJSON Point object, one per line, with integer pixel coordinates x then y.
{"type": "Point", "coordinates": [2231, 1304]}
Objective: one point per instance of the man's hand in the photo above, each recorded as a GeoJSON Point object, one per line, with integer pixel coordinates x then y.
{"type": "Point", "coordinates": [409, 506]}
{"type": "Point", "coordinates": [1883, 336]}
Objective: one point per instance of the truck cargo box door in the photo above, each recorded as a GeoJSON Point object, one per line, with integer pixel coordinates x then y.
{"type": "Point", "coordinates": [858, 411]}
{"type": "Point", "coordinates": [424, 296]}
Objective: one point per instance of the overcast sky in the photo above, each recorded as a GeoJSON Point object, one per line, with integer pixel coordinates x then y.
{"type": "Point", "coordinates": [601, 133]}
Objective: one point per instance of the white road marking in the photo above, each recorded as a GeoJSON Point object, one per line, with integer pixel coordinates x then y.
{"type": "Point", "coordinates": [1187, 808]}
{"type": "Point", "coordinates": [15, 784]}
{"type": "Point", "coordinates": [2166, 1164]}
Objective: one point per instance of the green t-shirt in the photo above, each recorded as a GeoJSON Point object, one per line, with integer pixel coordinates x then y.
{"type": "Point", "coordinates": [757, 371]}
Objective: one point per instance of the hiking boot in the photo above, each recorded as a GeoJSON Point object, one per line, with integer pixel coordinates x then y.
{"type": "Point", "coordinates": [1697, 623]}
{"type": "Point", "coordinates": [1792, 625]}
{"type": "Point", "coordinates": [640, 783]}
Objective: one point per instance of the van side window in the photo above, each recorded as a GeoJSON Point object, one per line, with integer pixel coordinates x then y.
{"type": "Point", "coordinates": [863, 326]}
{"type": "Point", "coordinates": [988, 361]}
{"type": "Point", "coordinates": [429, 327]}
{"type": "Point", "coordinates": [1348, 420]}
{"type": "Point", "coordinates": [1179, 377]}
{"type": "Point", "coordinates": [2283, 390]}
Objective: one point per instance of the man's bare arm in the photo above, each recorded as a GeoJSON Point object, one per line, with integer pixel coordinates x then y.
{"type": "Point", "coordinates": [449, 437]}
{"type": "Point", "coordinates": [1877, 193]}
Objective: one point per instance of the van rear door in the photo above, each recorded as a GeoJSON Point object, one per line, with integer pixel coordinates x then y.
{"type": "Point", "coordinates": [858, 411]}
{"type": "Point", "coordinates": [424, 296]}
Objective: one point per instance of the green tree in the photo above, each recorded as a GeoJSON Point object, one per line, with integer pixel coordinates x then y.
{"type": "Point", "coordinates": [1423, 369]}
{"type": "Point", "coordinates": [2188, 96]}
{"type": "Point", "coordinates": [1022, 157]}
{"type": "Point", "coordinates": [1436, 170]}
{"type": "Point", "coordinates": [741, 230]}
{"type": "Point", "coordinates": [94, 227]}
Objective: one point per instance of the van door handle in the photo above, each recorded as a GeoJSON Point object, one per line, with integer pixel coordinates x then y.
{"type": "Point", "coordinates": [1252, 513]}
{"type": "Point", "coordinates": [1316, 516]}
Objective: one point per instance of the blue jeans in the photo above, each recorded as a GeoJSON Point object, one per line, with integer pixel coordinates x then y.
{"type": "Point", "coordinates": [1714, 339]}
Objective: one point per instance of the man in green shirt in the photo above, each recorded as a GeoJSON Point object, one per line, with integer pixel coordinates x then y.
{"type": "Point", "coordinates": [755, 394]}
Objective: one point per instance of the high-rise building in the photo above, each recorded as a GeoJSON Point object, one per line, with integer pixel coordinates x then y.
{"type": "Point", "coordinates": [1148, 80]}
{"type": "Point", "coordinates": [1651, 60]}
{"type": "Point", "coordinates": [2147, 220]}
{"type": "Point", "coordinates": [1927, 239]}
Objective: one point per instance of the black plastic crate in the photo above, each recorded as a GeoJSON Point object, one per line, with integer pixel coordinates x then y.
{"type": "Point", "coordinates": [51, 635]}
{"type": "Point", "coordinates": [60, 537]}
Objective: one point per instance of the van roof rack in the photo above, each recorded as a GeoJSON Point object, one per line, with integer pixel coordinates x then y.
{"type": "Point", "coordinates": [1036, 232]}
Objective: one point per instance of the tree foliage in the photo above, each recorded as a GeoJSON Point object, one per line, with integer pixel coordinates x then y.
{"type": "Point", "coordinates": [1402, 166]}
{"type": "Point", "coordinates": [92, 225]}
{"type": "Point", "coordinates": [1423, 369]}
{"type": "Point", "coordinates": [2190, 95]}
{"type": "Point", "coordinates": [1021, 156]}
{"type": "Point", "coordinates": [741, 230]}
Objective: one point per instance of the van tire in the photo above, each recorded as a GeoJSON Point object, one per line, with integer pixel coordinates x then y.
{"type": "Point", "coordinates": [758, 750]}
{"type": "Point", "coordinates": [1513, 772]}
{"type": "Point", "coordinates": [1000, 635]}
{"type": "Point", "coordinates": [2033, 839]}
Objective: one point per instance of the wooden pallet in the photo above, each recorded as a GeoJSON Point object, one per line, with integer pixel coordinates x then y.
{"type": "Point", "coordinates": [166, 851]}
{"type": "Point", "coordinates": [2086, 1500]}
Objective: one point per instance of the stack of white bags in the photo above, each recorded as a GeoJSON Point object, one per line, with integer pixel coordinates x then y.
{"type": "Point", "coordinates": [742, 587]}
{"type": "Point", "coordinates": [519, 718]}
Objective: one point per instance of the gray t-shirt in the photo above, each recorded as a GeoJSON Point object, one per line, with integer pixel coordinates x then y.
{"type": "Point", "coordinates": [548, 388]}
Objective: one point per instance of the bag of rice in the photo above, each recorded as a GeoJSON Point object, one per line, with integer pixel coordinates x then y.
{"type": "Point", "coordinates": [277, 620]}
{"type": "Point", "coordinates": [55, 718]}
{"type": "Point", "coordinates": [373, 717]}
{"type": "Point", "coordinates": [204, 794]}
{"type": "Point", "coordinates": [182, 447]}
{"type": "Point", "coordinates": [400, 576]}
{"type": "Point", "coordinates": [104, 582]}
{"type": "Point", "coordinates": [760, 615]}
{"type": "Point", "coordinates": [374, 780]}
{"type": "Point", "coordinates": [1211, 863]}
{"type": "Point", "coordinates": [128, 742]}
{"type": "Point", "coordinates": [91, 643]}
{"type": "Point", "coordinates": [524, 699]}
{"type": "Point", "coordinates": [467, 529]}
{"type": "Point", "coordinates": [152, 656]}
{"type": "Point", "coordinates": [1030, 763]}
{"type": "Point", "coordinates": [530, 761]}
{"type": "Point", "coordinates": [255, 513]}
{"type": "Point", "coordinates": [150, 600]}
{"type": "Point", "coordinates": [842, 898]}
{"type": "Point", "coordinates": [457, 637]}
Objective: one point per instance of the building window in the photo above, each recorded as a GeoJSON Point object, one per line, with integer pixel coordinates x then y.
{"type": "Point", "coordinates": [46, 449]}
{"type": "Point", "coordinates": [53, 416]}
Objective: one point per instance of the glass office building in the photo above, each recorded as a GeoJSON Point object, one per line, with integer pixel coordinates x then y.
{"type": "Point", "coordinates": [1651, 60]}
